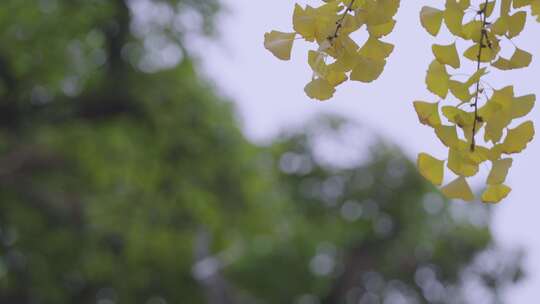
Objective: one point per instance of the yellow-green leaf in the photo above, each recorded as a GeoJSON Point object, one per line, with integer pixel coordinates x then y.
{"type": "Point", "coordinates": [319, 89]}
{"type": "Point", "coordinates": [381, 30]}
{"type": "Point", "coordinates": [520, 59]}
{"type": "Point", "coordinates": [428, 113]}
{"type": "Point", "coordinates": [431, 168]}
{"type": "Point", "coordinates": [279, 43]}
{"type": "Point", "coordinates": [453, 17]}
{"type": "Point", "coordinates": [522, 105]}
{"type": "Point", "coordinates": [431, 19]}
{"type": "Point", "coordinates": [495, 193]}
{"type": "Point", "coordinates": [458, 189]}
{"type": "Point", "coordinates": [499, 171]}
{"type": "Point", "coordinates": [437, 79]}
{"type": "Point", "coordinates": [460, 164]}
{"type": "Point", "coordinates": [517, 139]}
{"type": "Point", "coordinates": [367, 69]}
{"type": "Point", "coordinates": [448, 135]}
{"type": "Point", "coordinates": [516, 23]}
{"type": "Point", "coordinates": [376, 49]}
{"type": "Point", "coordinates": [446, 54]}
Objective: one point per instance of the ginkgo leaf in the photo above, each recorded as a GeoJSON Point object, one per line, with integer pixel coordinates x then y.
{"type": "Point", "coordinates": [460, 90]}
{"type": "Point", "coordinates": [517, 139]}
{"type": "Point", "coordinates": [521, 3]}
{"type": "Point", "coordinates": [495, 126]}
{"type": "Point", "coordinates": [317, 63]}
{"type": "Point", "coordinates": [499, 171]}
{"type": "Point", "coordinates": [381, 30]}
{"type": "Point", "coordinates": [500, 26]}
{"type": "Point", "coordinates": [453, 17]}
{"type": "Point", "coordinates": [376, 49]}
{"type": "Point", "coordinates": [437, 79]}
{"type": "Point", "coordinates": [335, 78]}
{"type": "Point", "coordinates": [472, 30]}
{"type": "Point", "coordinates": [476, 77]}
{"type": "Point", "coordinates": [520, 59]}
{"type": "Point", "coordinates": [431, 168]}
{"type": "Point", "coordinates": [461, 165]}
{"type": "Point", "coordinates": [431, 19]}
{"type": "Point", "coordinates": [428, 113]}
{"type": "Point", "coordinates": [367, 69]}
{"type": "Point", "coordinates": [304, 22]}
{"type": "Point", "coordinates": [458, 116]}
{"type": "Point", "coordinates": [516, 23]}
{"type": "Point", "coordinates": [487, 8]}
{"type": "Point", "coordinates": [319, 89]}
{"type": "Point", "coordinates": [458, 189]}
{"type": "Point", "coordinates": [446, 54]}
{"type": "Point", "coordinates": [279, 43]}
{"type": "Point", "coordinates": [495, 193]}
{"type": "Point", "coordinates": [487, 54]}
{"type": "Point", "coordinates": [522, 105]}
{"type": "Point", "coordinates": [448, 135]}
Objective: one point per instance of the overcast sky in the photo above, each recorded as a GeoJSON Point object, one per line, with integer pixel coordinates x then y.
{"type": "Point", "coordinates": [269, 96]}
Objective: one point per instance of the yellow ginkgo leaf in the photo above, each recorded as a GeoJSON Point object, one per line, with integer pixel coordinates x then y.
{"type": "Point", "coordinates": [367, 69]}
{"type": "Point", "coordinates": [304, 22]}
{"type": "Point", "coordinates": [476, 77]}
{"type": "Point", "coordinates": [381, 30]}
{"type": "Point", "coordinates": [453, 17]}
{"type": "Point", "coordinates": [458, 189]}
{"type": "Point", "coordinates": [487, 8]}
{"type": "Point", "coordinates": [431, 168]}
{"type": "Point", "coordinates": [458, 116]}
{"type": "Point", "coordinates": [431, 19]}
{"type": "Point", "coordinates": [317, 63]}
{"type": "Point", "coordinates": [446, 54]}
{"type": "Point", "coordinates": [460, 164]}
{"type": "Point", "coordinates": [376, 49]}
{"type": "Point", "coordinates": [448, 135]}
{"type": "Point", "coordinates": [517, 139]}
{"type": "Point", "coordinates": [428, 113]}
{"type": "Point", "coordinates": [520, 59]}
{"type": "Point", "coordinates": [495, 193]}
{"type": "Point", "coordinates": [521, 3]}
{"type": "Point", "coordinates": [437, 79]}
{"type": "Point", "coordinates": [516, 23]}
{"type": "Point", "coordinates": [522, 105]}
{"type": "Point", "coordinates": [279, 43]}
{"type": "Point", "coordinates": [319, 89]}
{"type": "Point", "coordinates": [460, 90]}
{"type": "Point", "coordinates": [499, 171]}
{"type": "Point", "coordinates": [487, 54]}
{"type": "Point", "coordinates": [495, 126]}
{"type": "Point", "coordinates": [472, 30]}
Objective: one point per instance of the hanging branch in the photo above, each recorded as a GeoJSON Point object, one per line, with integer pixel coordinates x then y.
{"type": "Point", "coordinates": [339, 23]}
{"type": "Point", "coordinates": [483, 34]}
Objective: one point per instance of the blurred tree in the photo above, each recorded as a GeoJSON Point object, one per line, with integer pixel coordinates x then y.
{"type": "Point", "coordinates": [124, 179]}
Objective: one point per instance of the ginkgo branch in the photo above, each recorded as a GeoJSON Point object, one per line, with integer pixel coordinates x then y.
{"type": "Point", "coordinates": [339, 23]}
{"type": "Point", "coordinates": [483, 34]}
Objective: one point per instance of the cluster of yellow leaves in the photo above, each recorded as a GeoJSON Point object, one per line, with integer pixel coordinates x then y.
{"type": "Point", "coordinates": [463, 118]}
{"type": "Point", "coordinates": [338, 57]}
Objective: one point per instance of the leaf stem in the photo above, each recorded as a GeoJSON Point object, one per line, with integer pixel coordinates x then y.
{"type": "Point", "coordinates": [339, 23]}
{"type": "Point", "coordinates": [483, 34]}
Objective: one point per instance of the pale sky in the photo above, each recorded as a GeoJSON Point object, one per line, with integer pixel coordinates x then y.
{"type": "Point", "coordinates": [269, 97]}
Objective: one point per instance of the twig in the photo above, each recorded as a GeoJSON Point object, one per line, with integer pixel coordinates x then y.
{"type": "Point", "coordinates": [339, 23]}
{"type": "Point", "coordinates": [483, 34]}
